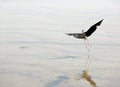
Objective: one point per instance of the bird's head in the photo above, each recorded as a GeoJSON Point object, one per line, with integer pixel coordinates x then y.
{"type": "Point", "coordinates": [82, 31]}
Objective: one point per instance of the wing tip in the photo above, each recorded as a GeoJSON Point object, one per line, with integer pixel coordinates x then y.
{"type": "Point", "coordinates": [99, 23]}
{"type": "Point", "coordinates": [101, 20]}
{"type": "Point", "coordinates": [68, 34]}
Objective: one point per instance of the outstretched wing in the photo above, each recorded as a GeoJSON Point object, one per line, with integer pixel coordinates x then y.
{"type": "Point", "coordinates": [92, 28]}
{"type": "Point", "coordinates": [72, 34]}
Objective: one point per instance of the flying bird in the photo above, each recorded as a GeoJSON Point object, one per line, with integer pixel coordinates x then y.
{"type": "Point", "coordinates": [86, 34]}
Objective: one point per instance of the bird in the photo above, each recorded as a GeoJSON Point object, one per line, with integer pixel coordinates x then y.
{"type": "Point", "coordinates": [86, 34]}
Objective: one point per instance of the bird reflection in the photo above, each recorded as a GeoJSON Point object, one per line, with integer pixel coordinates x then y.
{"type": "Point", "coordinates": [88, 61]}
{"type": "Point", "coordinates": [88, 78]}
{"type": "Point", "coordinates": [85, 74]}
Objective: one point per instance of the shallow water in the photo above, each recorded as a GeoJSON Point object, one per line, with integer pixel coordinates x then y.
{"type": "Point", "coordinates": [56, 63]}
{"type": "Point", "coordinates": [36, 52]}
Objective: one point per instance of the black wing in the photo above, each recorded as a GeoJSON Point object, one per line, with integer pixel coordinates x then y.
{"type": "Point", "coordinates": [92, 28]}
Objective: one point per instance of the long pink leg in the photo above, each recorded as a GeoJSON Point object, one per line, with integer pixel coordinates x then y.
{"type": "Point", "coordinates": [86, 44]}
